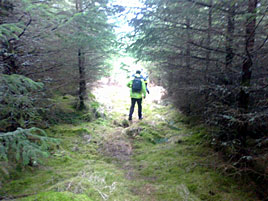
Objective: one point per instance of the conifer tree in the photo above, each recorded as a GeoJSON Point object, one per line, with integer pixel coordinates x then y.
{"type": "Point", "coordinates": [212, 59]}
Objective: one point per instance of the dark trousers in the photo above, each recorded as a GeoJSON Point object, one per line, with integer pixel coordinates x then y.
{"type": "Point", "coordinates": [133, 102]}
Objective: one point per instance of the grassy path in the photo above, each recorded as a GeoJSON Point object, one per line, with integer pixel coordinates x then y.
{"type": "Point", "coordinates": [157, 158]}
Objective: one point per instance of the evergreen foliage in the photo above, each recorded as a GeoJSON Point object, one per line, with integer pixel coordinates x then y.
{"type": "Point", "coordinates": [25, 146]}
{"type": "Point", "coordinates": [206, 51]}
{"type": "Point", "coordinates": [9, 30]}
{"type": "Point", "coordinates": [40, 39]}
{"type": "Point", "coordinates": [18, 101]}
{"type": "Point", "coordinates": [211, 56]}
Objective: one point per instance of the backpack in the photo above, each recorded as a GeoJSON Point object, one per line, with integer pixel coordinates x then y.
{"type": "Point", "coordinates": [136, 84]}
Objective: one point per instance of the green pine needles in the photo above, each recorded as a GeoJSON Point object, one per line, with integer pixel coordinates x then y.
{"type": "Point", "coordinates": [25, 146]}
{"type": "Point", "coordinates": [18, 102]}
{"type": "Point", "coordinates": [19, 98]}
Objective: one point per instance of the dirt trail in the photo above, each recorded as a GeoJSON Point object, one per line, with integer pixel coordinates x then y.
{"type": "Point", "coordinates": [155, 154]}
{"type": "Point", "coordinates": [108, 158]}
{"type": "Point", "coordinates": [119, 144]}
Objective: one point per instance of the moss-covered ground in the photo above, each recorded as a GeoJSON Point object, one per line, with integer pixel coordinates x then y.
{"type": "Point", "coordinates": [158, 158]}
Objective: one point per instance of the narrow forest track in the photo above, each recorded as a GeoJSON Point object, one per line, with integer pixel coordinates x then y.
{"type": "Point", "coordinates": [156, 159]}
{"type": "Point", "coordinates": [162, 158]}
{"type": "Point", "coordinates": [119, 145]}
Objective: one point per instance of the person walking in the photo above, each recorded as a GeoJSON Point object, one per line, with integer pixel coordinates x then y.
{"type": "Point", "coordinates": [137, 92]}
{"type": "Point", "coordinates": [145, 77]}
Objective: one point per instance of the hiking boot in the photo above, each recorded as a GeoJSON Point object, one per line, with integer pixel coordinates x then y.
{"type": "Point", "coordinates": [130, 118]}
{"type": "Point", "coordinates": [140, 118]}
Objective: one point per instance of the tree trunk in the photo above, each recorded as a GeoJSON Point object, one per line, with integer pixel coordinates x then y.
{"type": "Point", "coordinates": [208, 41]}
{"type": "Point", "coordinates": [249, 47]}
{"type": "Point", "coordinates": [10, 63]}
{"type": "Point", "coordinates": [188, 62]}
{"type": "Point", "coordinates": [82, 79]}
{"type": "Point", "coordinates": [229, 38]}
{"type": "Point", "coordinates": [244, 95]}
{"type": "Point", "coordinates": [188, 50]}
{"type": "Point", "coordinates": [8, 59]}
{"type": "Point", "coordinates": [81, 66]}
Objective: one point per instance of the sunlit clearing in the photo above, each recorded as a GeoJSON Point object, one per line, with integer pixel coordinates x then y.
{"type": "Point", "coordinates": [123, 69]}
{"type": "Point", "coordinates": [114, 93]}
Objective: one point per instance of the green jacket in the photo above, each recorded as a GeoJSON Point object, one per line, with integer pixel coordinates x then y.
{"type": "Point", "coordinates": [137, 95]}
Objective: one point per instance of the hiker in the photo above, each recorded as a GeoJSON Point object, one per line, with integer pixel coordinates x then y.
{"type": "Point", "coordinates": [145, 77]}
{"type": "Point", "coordinates": [138, 89]}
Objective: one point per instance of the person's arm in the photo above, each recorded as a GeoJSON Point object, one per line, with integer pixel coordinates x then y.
{"type": "Point", "coordinates": [146, 85]}
{"type": "Point", "coordinates": [129, 84]}
{"type": "Point", "coordinates": [143, 89]}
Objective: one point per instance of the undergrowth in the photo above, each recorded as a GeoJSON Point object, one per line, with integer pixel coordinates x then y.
{"type": "Point", "coordinates": [76, 170]}
{"type": "Point", "coordinates": [177, 163]}
{"type": "Point", "coordinates": [25, 146]}
{"type": "Point", "coordinates": [167, 161]}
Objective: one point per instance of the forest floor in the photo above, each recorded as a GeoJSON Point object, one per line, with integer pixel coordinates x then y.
{"type": "Point", "coordinates": [158, 158]}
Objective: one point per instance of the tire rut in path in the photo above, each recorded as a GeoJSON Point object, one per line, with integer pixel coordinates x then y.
{"type": "Point", "coordinates": [119, 146]}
